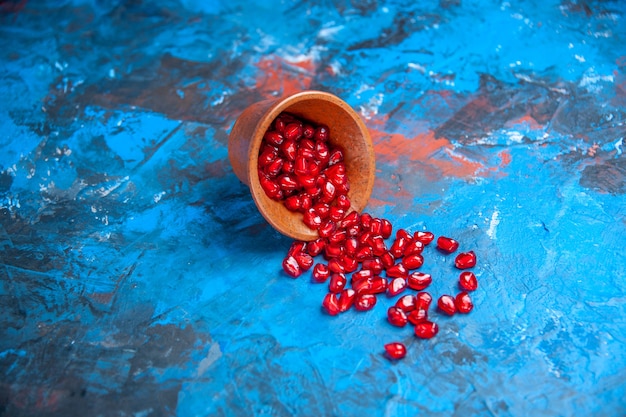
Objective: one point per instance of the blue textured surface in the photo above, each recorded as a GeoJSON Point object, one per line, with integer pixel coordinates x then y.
{"type": "Point", "coordinates": [137, 277]}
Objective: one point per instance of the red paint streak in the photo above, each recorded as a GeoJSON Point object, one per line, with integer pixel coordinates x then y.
{"type": "Point", "coordinates": [526, 120]}
{"type": "Point", "coordinates": [277, 75]}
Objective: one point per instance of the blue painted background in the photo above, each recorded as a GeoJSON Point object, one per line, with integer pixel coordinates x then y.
{"type": "Point", "coordinates": [137, 277]}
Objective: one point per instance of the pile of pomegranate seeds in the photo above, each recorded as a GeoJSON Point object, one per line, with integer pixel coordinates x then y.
{"type": "Point", "coordinates": [300, 167]}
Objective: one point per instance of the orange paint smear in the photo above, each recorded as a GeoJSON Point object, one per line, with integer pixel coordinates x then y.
{"type": "Point", "coordinates": [428, 150]}
{"type": "Point", "coordinates": [277, 75]}
{"type": "Point", "coordinates": [524, 120]}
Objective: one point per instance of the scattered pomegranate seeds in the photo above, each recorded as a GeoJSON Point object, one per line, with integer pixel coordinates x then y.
{"type": "Point", "coordinates": [299, 165]}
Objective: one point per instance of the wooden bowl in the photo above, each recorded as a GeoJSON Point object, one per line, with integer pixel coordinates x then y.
{"type": "Point", "coordinates": [347, 131]}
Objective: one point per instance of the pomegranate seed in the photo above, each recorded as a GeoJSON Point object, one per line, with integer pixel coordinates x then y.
{"type": "Point", "coordinates": [396, 286]}
{"type": "Point", "coordinates": [398, 246]}
{"type": "Point", "coordinates": [413, 261]}
{"type": "Point", "coordinates": [272, 189]}
{"type": "Point", "coordinates": [293, 203]}
{"type": "Point", "coordinates": [366, 220]}
{"type": "Point", "coordinates": [349, 263]}
{"type": "Point", "coordinates": [336, 156]}
{"type": "Point", "coordinates": [336, 174]}
{"type": "Point", "coordinates": [291, 267]}
{"type": "Point", "coordinates": [337, 213]}
{"type": "Point", "coordinates": [307, 202]}
{"type": "Point", "coordinates": [447, 244]}
{"type": "Point", "coordinates": [397, 271]}
{"type": "Point", "coordinates": [288, 182]}
{"type": "Point", "coordinates": [288, 167]}
{"type": "Point", "coordinates": [333, 251]}
{"type": "Point", "coordinates": [338, 237]}
{"type": "Point", "coordinates": [378, 245]}
{"type": "Point", "coordinates": [395, 350]}
{"type": "Point", "coordinates": [376, 226]}
{"type": "Point", "coordinates": [289, 149]}
{"type": "Point", "coordinates": [414, 247]}
{"type": "Point", "coordinates": [316, 246]}
{"type": "Point", "coordinates": [336, 266]}
{"type": "Point", "coordinates": [343, 202]}
{"type": "Point", "coordinates": [273, 138]}
{"type": "Point", "coordinates": [363, 285]}
{"type": "Point", "coordinates": [468, 281]}
{"type": "Point", "coordinates": [331, 304]}
{"type": "Point", "coordinates": [320, 273]}
{"type": "Point", "coordinates": [304, 260]}
{"type": "Point", "coordinates": [424, 237]}
{"type": "Point", "coordinates": [321, 133]}
{"type": "Point", "coordinates": [267, 156]}
{"type": "Point", "coordinates": [351, 246]}
{"type": "Point", "coordinates": [406, 303]}
{"type": "Point", "coordinates": [379, 285]}
{"type": "Point", "coordinates": [321, 152]}
{"type": "Point", "coordinates": [423, 300]}
{"type": "Point", "coordinates": [387, 260]}
{"type": "Point", "coordinates": [308, 131]}
{"type": "Point", "coordinates": [307, 181]}
{"type": "Point", "coordinates": [346, 299]}
{"type": "Point", "coordinates": [417, 316]}
{"type": "Point", "coordinates": [463, 302]}
{"type": "Point", "coordinates": [364, 253]}
{"type": "Point", "coordinates": [327, 228]}
{"type": "Point", "coordinates": [312, 219]}
{"type": "Point", "coordinates": [293, 131]}
{"type": "Point", "coordinates": [296, 247]}
{"type": "Point", "coordinates": [465, 260]}
{"type": "Point", "coordinates": [386, 228]}
{"type": "Point", "coordinates": [446, 304]}
{"type": "Point", "coordinates": [363, 273]}
{"type": "Point", "coordinates": [351, 219]}
{"type": "Point", "coordinates": [375, 265]}
{"type": "Point", "coordinates": [337, 282]}
{"type": "Point", "coordinates": [419, 280]}
{"type": "Point", "coordinates": [364, 302]}
{"type": "Point", "coordinates": [397, 316]}
{"type": "Point", "coordinates": [301, 165]}
{"type": "Point", "coordinates": [426, 329]}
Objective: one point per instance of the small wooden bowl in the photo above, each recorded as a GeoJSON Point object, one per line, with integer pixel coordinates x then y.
{"type": "Point", "coordinates": [347, 130]}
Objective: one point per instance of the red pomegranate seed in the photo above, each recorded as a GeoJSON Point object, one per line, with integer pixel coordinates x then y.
{"type": "Point", "coordinates": [351, 219]}
{"type": "Point", "coordinates": [307, 202]}
{"type": "Point", "coordinates": [336, 174]}
{"type": "Point", "coordinates": [362, 274]}
{"type": "Point", "coordinates": [336, 266]}
{"type": "Point", "coordinates": [398, 246]}
{"type": "Point", "coordinates": [375, 265]}
{"type": "Point", "coordinates": [289, 149]}
{"type": "Point", "coordinates": [363, 285]}
{"type": "Point", "coordinates": [463, 302]}
{"type": "Point", "coordinates": [396, 286]}
{"type": "Point", "coordinates": [397, 316]}
{"type": "Point", "coordinates": [272, 189]}
{"type": "Point", "coordinates": [343, 202]}
{"type": "Point", "coordinates": [336, 156]}
{"type": "Point", "coordinates": [376, 226]}
{"type": "Point", "coordinates": [419, 280]}
{"type": "Point", "coordinates": [415, 247]}
{"type": "Point", "coordinates": [423, 300]}
{"type": "Point", "coordinates": [351, 246]}
{"type": "Point", "coordinates": [297, 246]}
{"type": "Point", "coordinates": [406, 303]}
{"type": "Point", "coordinates": [304, 260]}
{"type": "Point", "coordinates": [364, 302]}
{"type": "Point", "coordinates": [291, 267]}
{"type": "Point", "coordinates": [386, 228]}
{"type": "Point", "coordinates": [417, 316]}
{"type": "Point", "coordinates": [308, 181]}
{"type": "Point", "coordinates": [338, 237]}
{"type": "Point", "coordinates": [288, 167]}
{"type": "Point", "coordinates": [397, 271]}
{"type": "Point", "coordinates": [308, 131]}
{"type": "Point", "coordinates": [446, 304]}
{"type": "Point", "coordinates": [312, 219]}
{"type": "Point", "coordinates": [426, 329]}
{"type": "Point", "coordinates": [395, 350]}
{"type": "Point", "coordinates": [424, 237]}
{"type": "Point", "coordinates": [293, 131]}
{"type": "Point", "coordinates": [337, 283]}
{"type": "Point", "coordinates": [465, 260]}
{"type": "Point", "coordinates": [327, 228]}
{"type": "Point", "coordinates": [321, 133]}
{"type": "Point", "coordinates": [333, 251]}
{"type": "Point", "coordinates": [322, 153]}
{"type": "Point", "coordinates": [468, 281]}
{"type": "Point", "coordinates": [316, 246]}
{"type": "Point", "coordinates": [346, 299]}
{"type": "Point", "coordinates": [267, 156]}
{"type": "Point", "coordinates": [387, 260]}
{"type": "Point", "coordinates": [349, 263]}
{"type": "Point", "coordinates": [379, 285]}
{"type": "Point", "coordinates": [366, 220]}
{"type": "Point", "coordinates": [331, 304]}
{"type": "Point", "coordinates": [320, 273]}
{"type": "Point", "coordinates": [447, 244]}
{"type": "Point", "coordinates": [293, 203]}
{"type": "Point", "coordinates": [378, 245]}
{"type": "Point", "coordinates": [274, 138]}
{"type": "Point", "coordinates": [301, 166]}
{"type": "Point", "coordinates": [413, 261]}
{"type": "Point", "coordinates": [364, 253]}
{"type": "Point", "coordinates": [337, 213]}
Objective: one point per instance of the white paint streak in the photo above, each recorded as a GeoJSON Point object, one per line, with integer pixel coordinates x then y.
{"type": "Point", "coordinates": [214, 354]}
{"type": "Point", "coordinates": [493, 224]}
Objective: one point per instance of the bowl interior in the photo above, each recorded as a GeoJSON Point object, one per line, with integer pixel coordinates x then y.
{"type": "Point", "coordinates": [347, 131]}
